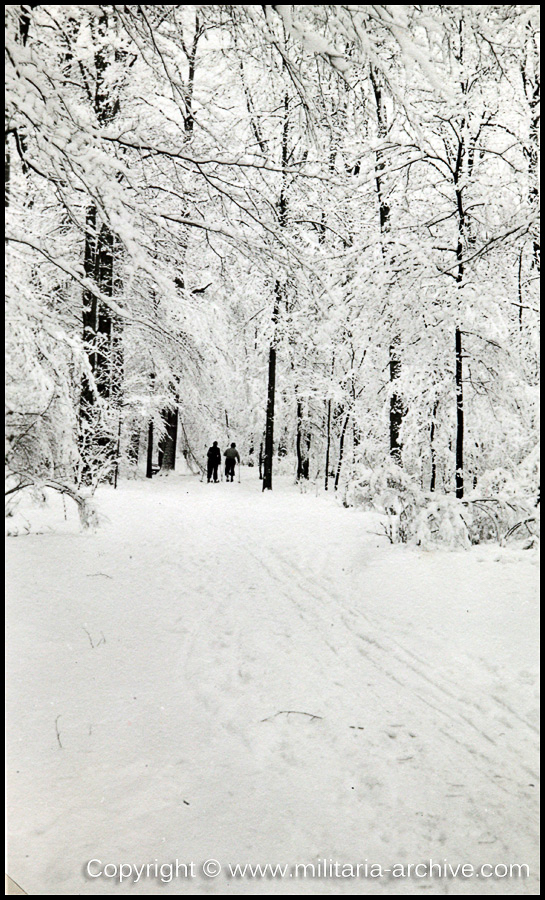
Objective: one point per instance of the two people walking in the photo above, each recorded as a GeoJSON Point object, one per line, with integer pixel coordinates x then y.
{"type": "Point", "coordinates": [214, 459]}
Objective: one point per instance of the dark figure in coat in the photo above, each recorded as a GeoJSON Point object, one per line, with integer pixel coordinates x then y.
{"type": "Point", "coordinates": [231, 457]}
{"type": "Point", "coordinates": [214, 459]}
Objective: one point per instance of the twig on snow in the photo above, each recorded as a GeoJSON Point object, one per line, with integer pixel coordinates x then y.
{"type": "Point", "coordinates": [89, 636]}
{"type": "Point", "coordinates": [98, 643]}
{"type": "Point", "coordinates": [57, 732]}
{"type": "Point", "coordinates": [291, 712]}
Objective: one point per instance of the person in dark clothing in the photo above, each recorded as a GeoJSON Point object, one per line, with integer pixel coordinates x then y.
{"type": "Point", "coordinates": [214, 459]}
{"type": "Point", "coordinates": [231, 457]}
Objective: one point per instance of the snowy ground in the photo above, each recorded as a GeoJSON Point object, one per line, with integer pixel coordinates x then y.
{"type": "Point", "coordinates": [256, 678]}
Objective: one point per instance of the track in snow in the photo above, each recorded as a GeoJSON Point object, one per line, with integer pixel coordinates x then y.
{"type": "Point", "coordinates": [259, 678]}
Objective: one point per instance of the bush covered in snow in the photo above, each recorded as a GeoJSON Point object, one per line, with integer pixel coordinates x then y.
{"type": "Point", "coordinates": [23, 498]}
{"type": "Point", "coordinates": [390, 491]}
{"type": "Point", "coordinates": [500, 510]}
{"type": "Point", "coordinates": [461, 523]}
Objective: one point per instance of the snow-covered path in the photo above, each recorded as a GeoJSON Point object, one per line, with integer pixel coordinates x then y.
{"type": "Point", "coordinates": [260, 678]}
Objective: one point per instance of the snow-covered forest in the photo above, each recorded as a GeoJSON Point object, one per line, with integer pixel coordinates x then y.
{"type": "Point", "coordinates": [311, 229]}
{"type": "Point", "coordinates": [312, 232]}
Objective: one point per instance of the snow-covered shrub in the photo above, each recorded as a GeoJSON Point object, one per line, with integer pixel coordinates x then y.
{"type": "Point", "coordinates": [445, 521]}
{"type": "Point", "coordinates": [527, 529]}
{"type": "Point", "coordinates": [497, 481]}
{"type": "Point", "coordinates": [504, 506]}
{"type": "Point", "coordinates": [391, 491]}
{"type": "Point", "coordinates": [528, 473]}
{"type": "Point", "coordinates": [503, 518]}
{"type": "Point", "coordinates": [499, 511]}
{"type": "Point", "coordinates": [357, 491]}
{"type": "Point", "coordinates": [38, 491]}
{"type": "Point", "coordinates": [449, 522]}
{"type": "Point", "coordinates": [441, 522]}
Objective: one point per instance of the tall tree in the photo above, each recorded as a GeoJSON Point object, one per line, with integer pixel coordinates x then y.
{"type": "Point", "coordinates": [101, 393]}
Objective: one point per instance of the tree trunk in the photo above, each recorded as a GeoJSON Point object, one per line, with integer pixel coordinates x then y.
{"type": "Point", "coordinates": [7, 173]}
{"type": "Point", "coordinates": [269, 424]}
{"type": "Point", "coordinates": [302, 444]}
{"type": "Point", "coordinates": [433, 454]}
{"type": "Point", "coordinates": [458, 344]}
{"type": "Point", "coordinates": [341, 451]}
{"type": "Point", "coordinates": [117, 451]}
{"type": "Point", "coordinates": [24, 21]}
{"type": "Point", "coordinates": [298, 440]}
{"type": "Point", "coordinates": [328, 445]}
{"type": "Point", "coordinates": [396, 402]}
{"type": "Point", "coordinates": [531, 83]}
{"type": "Point", "coordinates": [101, 329]}
{"type": "Point", "coordinates": [519, 289]}
{"type": "Point", "coordinates": [396, 407]}
{"type": "Point", "coordinates": [306, 460]}
{"type": "Point", "coordinates": [461, 163]}
{"type": "Point", "coordinates": [459, 417]}
{"type": "Point", "coordinates": [271, 389]}
{"type": "Point", "coordinates": [149, 466]}
{"type": "Point", "coordinates": [101, 335]}
{"type": "Point", "coordinates": [167, 446]}
{"type": "Point", "coordinates": [168, 443]}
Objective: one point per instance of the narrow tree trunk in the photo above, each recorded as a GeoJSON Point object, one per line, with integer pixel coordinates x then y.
{"type": "Point", "coordinates": [341, 451]}
{"type": "Point", "coordinates": [7, 173]}
{"type": "Point", "coordinates": [458, 178]}
{"type": "Point", "coordinates": [458, 344]}
{"type": "Point", "coordinates": [396, 407]}
{"type": "Point", "coordinates": [396, 402]}
{"type": "Point", "coordinates": [328, 445]}
{"type": "Point", "coordinates": [303, 449]}
{"type": "Point", "coordinates": [168, 443]}
{"type": "Point", "coordinates": [90, 303]}
{"type": "Point", "coordinates": [519, 292]}
{"type": "Point", "coordinates": [167, 446]}
{"type": "Point", "coordinates": [271, 390]}
{"type": "Point", "coordinates": [269, 425]}
{"type": "Point", "coordinates": [298, 440]}
{"type": "Point", "coordinates": [271, 387]}
{"type": "Point", "coordinates": [101, 329]}
{"type": "Point", "coordinates": [24, 22]}
{"type": "Point", "coordinates": [149, 466]}
{"type": "Point", "coordinates": [24, 25]}
{"type": "Point", "coordinates": [302, 445]}
{"type": "Point", "coordinates": [174, 436]}
{"type": "Point", "coordinates": [101, 334]}
{"type": "Point", "coordinates": [306, 460]}
{"type": "Point", "coordinates": [531, 83]}
{"type": "Point", "coordinates": [459, 417]}
{"type": "Point", "coordinates": [117, 452]}
{"type": "Point", "coordinates": [433, 454]}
